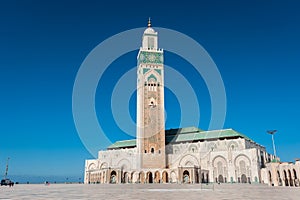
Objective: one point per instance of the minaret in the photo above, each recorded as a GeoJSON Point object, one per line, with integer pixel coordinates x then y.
{"type": "Point", "coordinates": [150, 102]}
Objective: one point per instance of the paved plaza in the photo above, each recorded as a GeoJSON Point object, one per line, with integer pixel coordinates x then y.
{"type": "Point", "coordinates": [148, 191]}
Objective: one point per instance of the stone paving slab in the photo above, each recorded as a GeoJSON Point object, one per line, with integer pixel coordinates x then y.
{"type": "Point", "coordinates": [148, 191]}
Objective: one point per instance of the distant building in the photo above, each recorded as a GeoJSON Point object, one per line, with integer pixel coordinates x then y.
{"type": "Point", "coordinates": [184, 155]}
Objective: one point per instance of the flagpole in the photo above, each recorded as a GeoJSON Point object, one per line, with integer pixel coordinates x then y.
{"type": "Point", "coordinates": [273, 142]}
{"type": "Point", "coordinates": [274, 148]}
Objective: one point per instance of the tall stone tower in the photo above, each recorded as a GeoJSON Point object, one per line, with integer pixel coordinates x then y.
{"type": "Point", "coordinates": [150, 103]}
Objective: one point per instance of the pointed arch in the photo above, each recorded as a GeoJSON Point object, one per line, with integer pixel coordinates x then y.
{"type": "Point", "coordinates": [219, 158]}
{"type": "Point", "coordinates": [188, 159]}
{"type": "Point", "coordinates": [113, 177]}
{"type": "Point", "coordinates": [243, 157]}
{"type": "Point", "coordinates": [103, 165]}
{"type": "Point", "coordinates": [186, 176]}
{"type": "Point", "coordinates": [295, 174]}
{"type": "Point", "coordinates": [173, 177]}
{"type": "Point", "coordinates": [290, 178]}
{"type": "Point", "coordinates": [142, 177]}
{"type": "Point", "coordinates": [157, 177]}
{"type": "Point", "coordinates": [279, 178]}
{"type": "Point", "coordinates": [165, 177]}
{"type": "Point", "coordinates": [124, 164]}
{"type": "Point", "coordinates": [149, 177]}
{"type": "Point", "coordinates": [286, 181]}
{"type": "Point", "coordinates": [232, 145]}
{"type": "Point", "coordinates": [193, 148]}
{"type": "Point", "coordinates": [92, 166]}
{"type": "Point", "coordinates": [270, 178]}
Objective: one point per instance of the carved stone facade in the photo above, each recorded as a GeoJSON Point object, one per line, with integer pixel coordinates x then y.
{"type": "Point", "coordinates": [232, 159]}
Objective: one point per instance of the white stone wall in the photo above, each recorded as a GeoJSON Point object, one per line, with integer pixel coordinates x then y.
{"type": "Point", "coordinates": [225, 154]}
{"type": "Point", "coordinates": [119, 158]}
{"type": "Point", "coordinates": [228, 158]}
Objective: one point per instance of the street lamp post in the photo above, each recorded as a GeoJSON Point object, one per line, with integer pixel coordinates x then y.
{"type": "Point", "coordinates": [272, 132]}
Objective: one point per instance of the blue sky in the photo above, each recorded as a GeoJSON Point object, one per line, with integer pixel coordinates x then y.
{"type": "Point", "coordinates": [255, 45]}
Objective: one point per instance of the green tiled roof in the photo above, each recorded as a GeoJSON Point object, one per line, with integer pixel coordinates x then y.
{"type": "Point", "coordinates": [185, 135]}
{"type": "Point", "coordinates": [123, 144]}
{"type": "Point", "coordinates": [274, 160]}
{"type": "Point", "coordinates": [185, 130]}
{"type": "Point", "coordinates": [203, 135]}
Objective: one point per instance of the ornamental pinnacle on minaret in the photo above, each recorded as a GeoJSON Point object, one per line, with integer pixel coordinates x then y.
{"type": "Point", "coordinates": [149, 22]}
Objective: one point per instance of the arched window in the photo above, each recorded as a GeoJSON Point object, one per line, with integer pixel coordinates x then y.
{"type": "Point", "coordinates": [279, 178]}
{"type": "Point", "coordinates": [295, 174]}
{"type": "Point", "coordinates": [243, 167]}
{"type": "Point", "coordinates": [152, 150]}
{"type": "Point", "coordinates": [290, 178]}
{"type": "Point", "coordinates": [270, 177]}
{"type": "Point", "coordinates": [152, 102]}
{"type": "Point", "coordinates": [286, 181]}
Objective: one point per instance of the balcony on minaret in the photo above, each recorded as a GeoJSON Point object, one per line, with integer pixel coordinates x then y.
{"type": "Point", "coordinates": [152, 49]}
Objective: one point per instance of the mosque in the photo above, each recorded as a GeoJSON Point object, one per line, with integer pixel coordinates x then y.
{"type": "Point", "coordinates": [183, 155]}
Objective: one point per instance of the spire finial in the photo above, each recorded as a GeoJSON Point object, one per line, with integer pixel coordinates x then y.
{"type": "Point", "coordinates": [149, 22]}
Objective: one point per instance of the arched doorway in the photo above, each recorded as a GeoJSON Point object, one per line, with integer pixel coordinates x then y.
{"type": "Point", "coordinates": [113, 177]}
{"type": "Point", "coordinates": [286, 181]}
{"type": "Point", "coordinates": [125, 178]}
{"type": "Point", "coordinates": [270, 178]}
{"type": "Point", "coordinates": [186, 176]}
{"type": "Point", "coordinates": [202, 178]}
{"type": "Point", "coordinates": [157, 177]}
{"type": "Point", "coordinates": [196, 177]}
{"type": "Point", "coordinates": [295, 178]}
{"type": "Point", "coordinates": [133, 178]}
{"type": "Point", "coordinates": [244, 178]}
{"type": "Point", "coordinates": [207, 178]}
{"type": "Point", "coordinates": [279, 178]}
{"type": "Point", "coordinates": [290, 178]}
{"type": "Point", "coordinates": [165, 177]}
{"type": "Point", "coordinates": [149, 177]}
{"type": "Point", "coordinates": [173, 177]}
{"type": "Point", "coordinates": [220, 179]}
{"type": "Point", "coordinates": [142, 177]}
